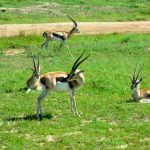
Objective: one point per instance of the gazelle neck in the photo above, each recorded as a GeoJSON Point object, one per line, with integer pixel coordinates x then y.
{"type": "Point", "coordinates": [136, 93]}
{"type": "Point", "coordinates": [71, 32]}
{"type": "Point", "coordinates": [34, 80]}
{"type": "Point", "coordinates": [78, 82]}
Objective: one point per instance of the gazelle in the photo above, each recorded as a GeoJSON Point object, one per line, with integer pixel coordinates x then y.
{"type": "Point", "coordinates": [60, 36]}
{"type": "Point", "coordinates": [34, 81]}
{"type": "Point", "coordinates": [140, 95]}
{"type": "Point", "coordinates": [62, 82]}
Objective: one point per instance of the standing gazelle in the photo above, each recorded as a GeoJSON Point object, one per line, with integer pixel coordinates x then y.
{"type": "Point", "coordinates": [34, 81]}
{"type": "Point", "coordinates": [60, 36]}
{"type": "Point", "coordinates": [141, 95]}
{"type": "Point", "coordinates": [62, 81]}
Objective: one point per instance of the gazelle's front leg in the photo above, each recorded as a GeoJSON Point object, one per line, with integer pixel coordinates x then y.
{"type": "Point", "coordinates": [73, 103]}
{"type": "Point", "coordinates": [43, 94]}
{"type": "Point", "coordinates": [65, 44]}
{"type": "Point", "coordinates": [28, 90]}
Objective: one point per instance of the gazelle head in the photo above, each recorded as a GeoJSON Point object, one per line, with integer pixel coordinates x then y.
{"type": "Point", "coordinates": [74, 73]}
{"type": "Point", "coordinates": [75, 27]}
{"type": "Point", "coordinates": [134, 79]}
{"type": "Point", "coordinates": [36, 69]}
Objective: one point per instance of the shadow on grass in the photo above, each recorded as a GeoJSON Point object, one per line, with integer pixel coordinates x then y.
{"type": "Point", "coordinates": [28, 117]}
{"type": "Point", "coordinates": [23, 89]}
{"type": "Point", "coordinates": [130, 101]}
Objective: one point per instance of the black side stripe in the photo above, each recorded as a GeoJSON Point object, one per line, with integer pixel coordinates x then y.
{"type": "Point", "coordinates": [61, 79]}
{"type": "Point", "coordinates": [70, 85]}
{"type": "Point", "coordinates": [58, 36]}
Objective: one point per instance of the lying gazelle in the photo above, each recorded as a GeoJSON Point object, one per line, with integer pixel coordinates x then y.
{"type": "Point", "coordinates": [60, 36]}
{"type": "Point", "coordinates": [34, 81]}
{"type": "Point", "coordinates": [62, 82]}
{"type": "Point", "coordinates": [139, 95]}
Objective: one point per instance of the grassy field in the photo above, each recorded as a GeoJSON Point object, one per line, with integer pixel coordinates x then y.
{"type": "Point", "coordinates": [82, 10]}
{"type": "Point", "coordinates": [108, 120]}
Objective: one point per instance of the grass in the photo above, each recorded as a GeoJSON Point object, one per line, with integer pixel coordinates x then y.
{"type": "Point", "coordinates": [108, 120]}
{"type": "Point", "coordinates": [82, 10]}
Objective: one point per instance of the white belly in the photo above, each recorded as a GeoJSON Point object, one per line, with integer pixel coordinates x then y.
{"type": "Point", "coordinates": [57, 39]}
{"type": "Point", "coordinates": [144, 100]}
{"type": "Point", "coordinates": [62, 86]}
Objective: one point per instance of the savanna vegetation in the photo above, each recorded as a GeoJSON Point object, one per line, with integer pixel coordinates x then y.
{"type": "Point", "coordinates": [109, 120]}
{"type": "Point", "coordinates": [20, 11]}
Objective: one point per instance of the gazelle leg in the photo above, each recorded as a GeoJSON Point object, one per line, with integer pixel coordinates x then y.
{"type": "Point", "coordinates": [28, 90]}
{"type": "Point", "coordinates": [73, 103]}
{"type": "Point", "coordinates": [45, 44]}
{"type": "Point", "coordinates": [43, 94]}
{"type": "Point", "coordinates": [60, 45]}
{"type": "Point", "coordinates": [64, 42]}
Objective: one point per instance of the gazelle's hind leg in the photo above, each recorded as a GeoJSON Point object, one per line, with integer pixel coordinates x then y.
{"type": "Point", "coordinates": [60, 46]}
{"type": "Point", "coordinates": [46, 43]}
{"type": "Point", "coordinates": [43, 94]}
{"type": "Point", "coordinates": [73, 103]}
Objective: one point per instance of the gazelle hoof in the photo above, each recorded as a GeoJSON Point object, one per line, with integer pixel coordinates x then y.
{"type": "Point", "coordinates": [77, 114]}
{"type": "Point", "coordinates": [39, 117]}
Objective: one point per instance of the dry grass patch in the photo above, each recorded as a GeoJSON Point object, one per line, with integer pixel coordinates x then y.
{"type": "Point", "coordinates": [73, 133]}
{"type": "Point", "coordinates": [122, 146]}
{"type": "Point", "coordinates": [13, 52]}
{"type": "Point", "coordinates": [50, 138]}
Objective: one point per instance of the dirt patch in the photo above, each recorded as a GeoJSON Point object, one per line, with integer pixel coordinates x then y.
{"type": "Point", "coordinates": [85, 28]}
{"type": "Point", "coordinates": [13, 52]}
{"type": "Point", "coordinates": [45, 7]}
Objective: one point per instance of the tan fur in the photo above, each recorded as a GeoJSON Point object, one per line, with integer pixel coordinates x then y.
{"type": "Point", "coordinates": [78, 80]}
{"type": "Point", "coordinates": [66, 35]}
{"type": "Point", "coordinates": [144, 92]}
{"type": "Point", "coordinates": [139, 94]}
{"type": "Point", "coordinates": [48, 83]}
{"type": "Point", "coordinates": [33, 82]}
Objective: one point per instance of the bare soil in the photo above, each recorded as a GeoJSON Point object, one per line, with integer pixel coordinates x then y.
{"type": "Point", "coordinates": [8, 30]}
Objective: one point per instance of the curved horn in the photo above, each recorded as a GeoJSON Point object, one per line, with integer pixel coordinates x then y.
{"type": "Point", "coordinates": [134, 72]}
{"type": "Point", "coordinates": [73, 21]}
{"type": "Point", "coordinates": [38, 63]}
{"type": "Point", "coordinates": [81, 62]}
{"type": "Point", "coordinates": [33, 59]}
{"type": "Point", "coordinates": [139, 73]}
{"type": "Point", "coordinates": [77, 60]}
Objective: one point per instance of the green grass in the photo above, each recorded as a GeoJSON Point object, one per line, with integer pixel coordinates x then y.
{"type": "Point", "coordinates": [81, 10]}
{"type": "Point", "coordinates": [108, 120]}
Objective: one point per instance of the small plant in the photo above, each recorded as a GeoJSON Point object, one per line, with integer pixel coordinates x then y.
{"type": "Point", "coordinates": [125, 40]}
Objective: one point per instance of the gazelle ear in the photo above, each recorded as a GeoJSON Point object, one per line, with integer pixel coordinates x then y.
{"type": "Point", "coordinates": [81, 71]}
